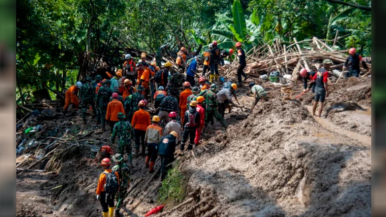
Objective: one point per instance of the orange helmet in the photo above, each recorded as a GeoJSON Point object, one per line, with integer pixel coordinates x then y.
{"type": "Point", "coordinates": [183, 49]}
{"type": "Point", "coordinates": [119, 73]}
{"type": "Point", "coordinates": [200, 99]}
{"type": "Point", "coordinates": [230, 51]}
{"type": "Point", "coordinates": [106, 162]}
{"type": "Point", "coordinates": [238, 44]}
{"type": "Point", "coordinates": [186, 84]}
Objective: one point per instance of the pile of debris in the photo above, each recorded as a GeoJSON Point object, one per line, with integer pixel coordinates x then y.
{"type": "Point", "coordinates": [309, 53]}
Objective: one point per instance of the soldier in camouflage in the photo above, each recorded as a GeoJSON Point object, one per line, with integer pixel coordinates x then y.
{"type": "Point", "coordinates": [211, 107]}
{"type": "Point", "coordinates": [193, 97]}
{"type": "Point", "coordinates": [131, 102]}
{"type": "Point", "coordinates": [125, 133]}
{"type": "Point", "coordinates": [103, 99]}
{"type": "Point", "coordinates": [120, 98]}
{"type": "Point", "coordinates": [174, 86]}
{"type": "Point", "coordinates": [87, 98]}
{"type": "Point", "coordinates": [124, 176]}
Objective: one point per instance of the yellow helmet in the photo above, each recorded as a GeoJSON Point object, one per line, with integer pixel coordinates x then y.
{"type": "Point", "coordinates": [174, 133]}
{"type": "Point", "coordinates": [193, 103]}
{"type": "Point", "coordinates": [168, 64]}
{"type": "Point", "coordinates": [234, 86]}
{"type": "Point", "coordinates": [200, 99]}
{"type": "Point", "coordinates": [155, 119]}
{"type": "Point", "coordinates": [143, 55]}
{"type": "Point", "coordinates": [153, 63]}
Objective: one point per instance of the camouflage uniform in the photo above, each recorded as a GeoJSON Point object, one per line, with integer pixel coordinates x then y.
{"type": "Point", "coordinates": [103, 98]}
{"type": "Point", "coordinates": [125, 132]}
{"type": "Point", "coordinates": [175, 84]}
{"type": "Point", "coordinates": [131, 103]}
{"type": "Point", "coordinates": [211, 108]}
{"type": "Point", "coordinates": [190, 98]}
{"type": "Point", "coordinates": [124, 176]}
{"type": "Point", "coordinates": [86, 95]}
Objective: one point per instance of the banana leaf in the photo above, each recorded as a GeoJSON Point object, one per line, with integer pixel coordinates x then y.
{"type": "Point", "coordinates": [239, 24]}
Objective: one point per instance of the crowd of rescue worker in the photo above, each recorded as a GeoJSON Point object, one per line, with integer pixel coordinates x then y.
{"type": "Point", "coordinates": [183, 107]}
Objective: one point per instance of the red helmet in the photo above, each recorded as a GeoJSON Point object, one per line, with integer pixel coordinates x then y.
{"type": "Point", "coordinates": [238, 44]}
{"type": "Point", "coordinates": [352, 51]}
{"type": "Point", "coordinates": [144, 100]}
{"type": "Point", "coordinates": [303, 73]}
{"type": "Point", "coordinates": [106, 162]}
{"type": "Point", "coordinates": [172, 114]}
{"type": "Point", "coordinates": [230, 51]}
{"type": "Point", "coordinates": [186, 84]}
{"type": "Point", "coordinates": [141, 103]}
{"type": "Point", "coordinates": [107, 148]}
{"type": "Point", "coordinates": [214, 43]}
{"type": "Point", "coordinates": [115, 95]}
{"type": "Point", "coordinates": [201, 79]}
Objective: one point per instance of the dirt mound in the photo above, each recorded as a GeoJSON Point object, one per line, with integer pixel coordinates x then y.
{"type": "Point", "coordinates": [280, 162]}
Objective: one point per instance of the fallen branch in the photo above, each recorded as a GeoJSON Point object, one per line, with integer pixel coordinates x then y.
{"type": "Point", "coordinates": [176, 207]}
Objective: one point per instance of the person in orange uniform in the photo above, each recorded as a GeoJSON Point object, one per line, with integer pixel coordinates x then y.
{"type": "Point", "coordinates": [121, 80]}
{"type": "Point", "coordinates": [113, 108]}
{"type": "Point", "coordinates": [181, 58]}
{"type": "Point", "coordinates": [140, 122]}
{"type": "Point", "coordinates": [183, 99]}
{"type": "Point", "coordinates": [71, 96]}
{"type": "Point", "coordinates": [200, 109]}
{"type": "Point", "coordinates": [204, 85]}
{"type": "Point", "coordinates": [106, 198]}
{"type": "Point", "coordinates": [141, 66]}
{"type": "Point", "coordinates": [145, 80]}
{"type": "Point", "coordinates": [152, 138]}
{"type": "Point", "coordinates": [206, 60]}
{"type": "Point", "coordinates": [128, 89]}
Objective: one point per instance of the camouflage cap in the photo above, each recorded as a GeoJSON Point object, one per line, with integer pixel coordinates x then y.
{"type": "Point", "coordinates": [121, 115]}
{"type": "Point", "coordinates": [195, 89]}
{"type": "Point", "coordinates": [327, 61]}
{"type": "Point", "coordinates": [140, 88]}
{"type": "Point", "coordinates": [89, 78]}
{"type": "Point", "coordinates": [107, 82]}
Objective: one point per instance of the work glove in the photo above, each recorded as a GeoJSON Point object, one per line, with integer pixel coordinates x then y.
{"type": "Point", "coordinates": [97, 197]}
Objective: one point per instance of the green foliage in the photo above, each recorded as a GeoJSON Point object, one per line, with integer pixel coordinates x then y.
{"type": "Point", "coordinates": [173, 187]}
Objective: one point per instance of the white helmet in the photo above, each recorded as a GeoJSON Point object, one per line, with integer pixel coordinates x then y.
{"type": "Point", "coordinates": [79, 84]}
{"type": "Point", "coordinates": [127, 56]}
{"type": "Point", "coordinates": [161, 88]}
{"type": "Point", "coordinates": [210, 46]}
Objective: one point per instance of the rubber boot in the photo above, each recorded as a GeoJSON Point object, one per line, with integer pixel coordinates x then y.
{"type": "Point", "coordinates": [151, 167]}
{"type": "Point", "coordinates": [211, 78]}
{"type": "Point", "coordinates": [103, 125]}
{"type": "Point", "coordinates": [147, 161]}
{"type": "Point", "coordinates": [105, 214]}
{"type": "Point", "coordinates": [111, 211]}
{"type": "Point", "coordinates": [215, 78]}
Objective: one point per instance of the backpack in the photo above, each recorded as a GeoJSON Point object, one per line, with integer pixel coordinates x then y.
{"type": "Point", "coordinates": [158, 77]}
{"type": "Point", "coordinates": [192, 120]}
{"type": "Point", "coordinates": [111, 186]}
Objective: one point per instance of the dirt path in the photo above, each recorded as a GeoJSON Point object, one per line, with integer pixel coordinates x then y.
{"type": "Point", "coordinates": [337, 129]}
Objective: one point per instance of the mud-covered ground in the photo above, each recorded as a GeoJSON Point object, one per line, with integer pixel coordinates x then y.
{"type": "Point", "coordinates": [278, 161]}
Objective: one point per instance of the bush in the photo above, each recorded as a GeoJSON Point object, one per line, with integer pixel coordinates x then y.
{"type": "Point", "coordinates": [173, 187]}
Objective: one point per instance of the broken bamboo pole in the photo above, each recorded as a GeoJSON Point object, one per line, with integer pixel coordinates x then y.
{"type": "Point", "coordinates": [304, 59]}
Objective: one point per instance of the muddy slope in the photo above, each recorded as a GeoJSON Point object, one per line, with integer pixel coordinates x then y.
{"type": "Point", "coordinates": [280, 162]}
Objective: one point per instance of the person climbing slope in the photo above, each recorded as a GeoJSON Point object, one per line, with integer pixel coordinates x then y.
{"type": "Point", "coordinates": [152, 138]}
{"type": "Point", "coordinates": [140, 122]}
{"type": "Point", "coordinates": [113, 108]}
{"type": "Point", "coordinates": [183, 98]}
{"type": "Point", "coordinates": [108, 186]}
{"type": "Point", "coordinates": [190, 125]}
{"type": "Point", "coordinates": [124, 176]}
{"type": "Point", "coordinates": [125, 134]}
{"type": "Point", "coordinates": [71, 97]}
{"type": "Point", "coordinates": [166, 150]}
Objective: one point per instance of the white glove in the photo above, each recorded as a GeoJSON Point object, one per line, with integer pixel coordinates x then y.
{"type": "Point", "coordinates": [97, 197]}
